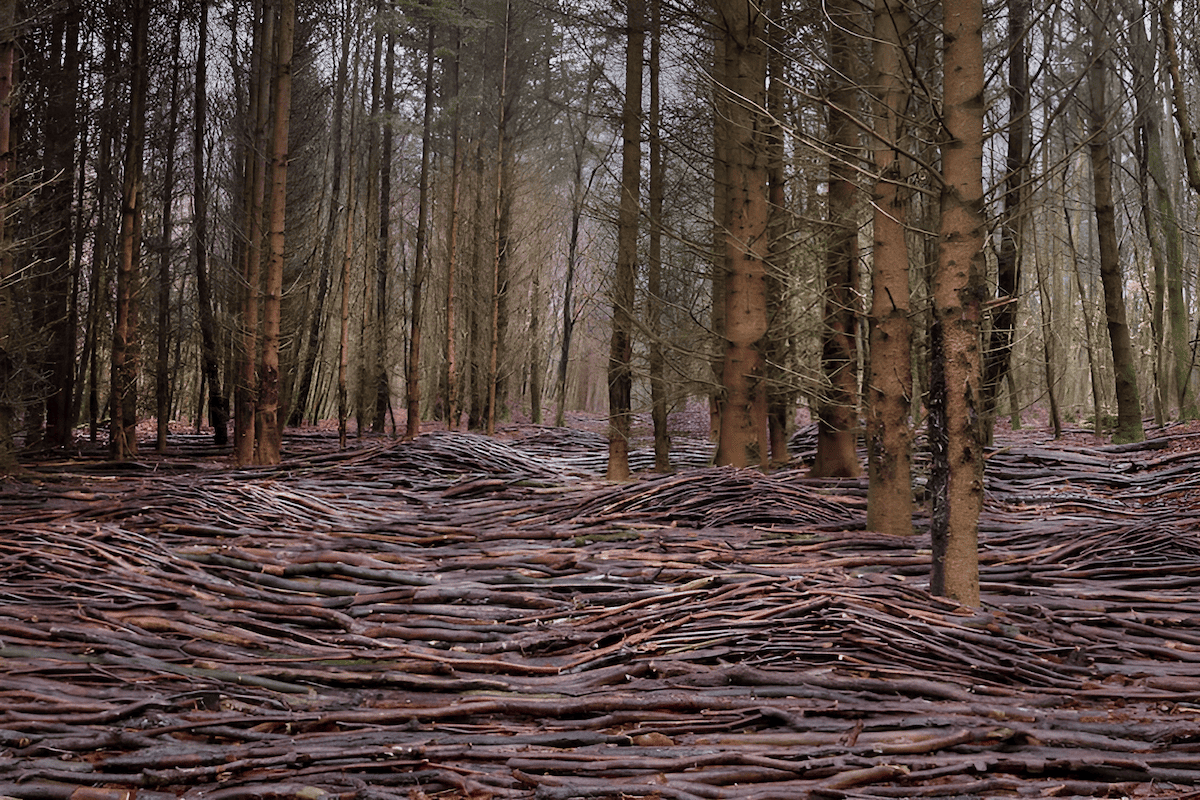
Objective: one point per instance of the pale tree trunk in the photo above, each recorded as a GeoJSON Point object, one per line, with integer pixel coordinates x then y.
{"type": "Point", "coordinates": [889, 388]}
{"type": "Point", "coordinates": [744, 437]}
{"type": "Point", "coordinates": [8, 22]}
{"type": "Point", "coordinates": [1129, 406]}
{"type": "Point", "coordinates": [269, 427]}
{"type": "Point", "coordinates": [1008, 266]}
{"type": "Point", "coordinates": [218, 413]}
{"type": "Point", "coordinates": [413, 385]}
{"type": "Point", "coordinates": [957, 285]}
{"type": "Point", "coordinates": [453, 396]}
{"type": "Point", "coordinates": [620, 370]}
{"type": "Point", "coordinates": [654, 303]}
{"type": "Point", "coordinates": [123, 441]}
{"type": "Point", "coordinates": [162, 389]}
{"type": "Point", "coordinates": [254, 192]}
{"type": "Point", "coordinates": [837, 408]}
{"type": "Point", "coordinates": [1046, 308]}
{"type": "Point", "coordinates": [1085, 307]}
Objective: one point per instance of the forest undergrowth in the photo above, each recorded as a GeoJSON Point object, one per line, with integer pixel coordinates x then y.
{"type": "Point", "coordinates": [463, 616]}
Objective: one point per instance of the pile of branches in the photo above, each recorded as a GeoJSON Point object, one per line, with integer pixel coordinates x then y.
{"type": "Point", "coordinates": [476, 620]}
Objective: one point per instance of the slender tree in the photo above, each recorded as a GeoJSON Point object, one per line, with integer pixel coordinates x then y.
{"type": "Point", "coordinates": [123, 394]}
{"type": "Point", "coordinates": [413, 385]}
{"type": "Point", "coordinates": [8, 50]}
{"type": "Point", "coordinates": [1129, 405]}
{"type": "Point", "coordinates": [218, 412]}
{"type": "Point", "coordinates": [620, 357]}
{"type": "Point", "coordinates": [269, 428]}
{"type": "Point", "coordinates": [162, 382]}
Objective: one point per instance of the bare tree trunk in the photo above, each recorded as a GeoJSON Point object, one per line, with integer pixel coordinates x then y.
{"type": "Point", "coordinates": [413, 386]}
{"type": "Point", "coordinates": [1047, 313]}
{"type": "Point", "coordinates": [8, 35]}
{"type": "Point", "coordinates": [744, 437]}
{"type": "Point", "coordinates": [500, 254]}
{"type": "Point", "coordinates": [255, 190]}
{"type": "Point", "coordinates": [123, 438]}
{"type": "Point", "coordinates": [453, 397]}
{"type": "Point", "coordinates": [383, 257]}
{"type": "Point", "coordinates": [721, 137]}
{"type": "Point", "coordinates": [270, 428]}
{"type": "Point", "coordinates": [780, 397]}
{"type": "Point", "coordinates": [218, 413]}
{"type": "Point", "coordinates": [956, 289]}
{"type": "Point", "coordinates": [1129, 407]}
{"type": "Point", "coordinates": [162, 394]}
{"type": "Point", "coordinates": [837, 409]}
{"type": "Point", "coordinates": [889, 390]}
{"type": "Point", "coordinates": [1008, 267]}
{"type": "Point", "coordinates": [343, 394]}
{"type": "Point", "coordinates": [654, 301]}
{"type": "Point", "coordinates": [620, 354]}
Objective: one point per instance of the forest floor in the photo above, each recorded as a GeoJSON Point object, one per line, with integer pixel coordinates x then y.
{"type": "Point", "coordinates": [460, 616]}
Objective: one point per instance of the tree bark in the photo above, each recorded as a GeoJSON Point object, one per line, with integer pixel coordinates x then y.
{"type": "Point", "coordinates": [744, 438]}
{"type": "Point", "coordinates": [453, 395]}
{"type": "Point", "coordinates": [8, 60]}
{"type": "Point", "coordinates": [1129, 407]}
{"type": "Point", "coordinates": [654, 302]}
{"type": "Point", "coordinates": [162, 388]}
{"type": "Point", "coordinates": [500, 234]}
{"type": "Point", "coordinates": [957, 291]}
{"type": "Point", "coordinates": [620, 354]}
{"type": "Point", "coordinates": [218, 412]}
{"type": "Point", "coordinates": [383, 255]}
{"type": "Point", "coordinates": [837, 408]}
{"type": "Point", "coordinates": [889, 389]}
{"type": "Point", "coordinates": [269, 427]}
{"type": "Point", "coordinates": [245, 393]}
{"type": "Point", "coordinates": [413, 385]}
{"type": "Point", "coordinates": [123, 426]}
{"type": "Point", "coordinates": [1008, 260]}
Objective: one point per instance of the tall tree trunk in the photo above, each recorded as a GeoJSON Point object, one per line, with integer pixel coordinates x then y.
{"type": "Point", "coordinates": [123, 437]}
{"type": "Point", "coordinates": [654, 300]}
{"type": "Point", "coordinates": [8, 60]}
{"type": "Point", "coordinates": [957, 286]}
{"type": "Point", "coordinates": [1129, 406]}
{"type": "Point", "coordinates": [889, 388]}
{"type": "Point", "coordinates": [500, 235]}
{"type": "Point", "coordinates": [780, 397]}
{"type": "Point", "coordinates": [1085, 308]}
{"type": "Point", "coordinates": [269, 426]}
{"type": "Point", "coordinates": [453, 396]}
{"type": "Point", "coordinates": [837, 409]}
{"type": "Point", "coordinates": [162, 389]}
{"type": "Point", "coordinates": [383, 255]}
{"type": "Point", "coordinates": [58, 300]}
{"type": "Point", "coordinates": [1008, 260]}
{"type": "Point", "coordinates": [218, 412]}
{"type": "Point", "coordinates": [245, 399]}
{"type": "Point", "coordinates": [1160, 216]}
{"type": "Point", "coordinates": [413, 383]}
{"type": "Point", "coordinates": [722, 132]}
{"type": "Point", "coordinates": [620, 354]}
{"type": "Point", "coordinates": [343, 390]}
{"type": "Point", "coordinates": [744, 439]}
